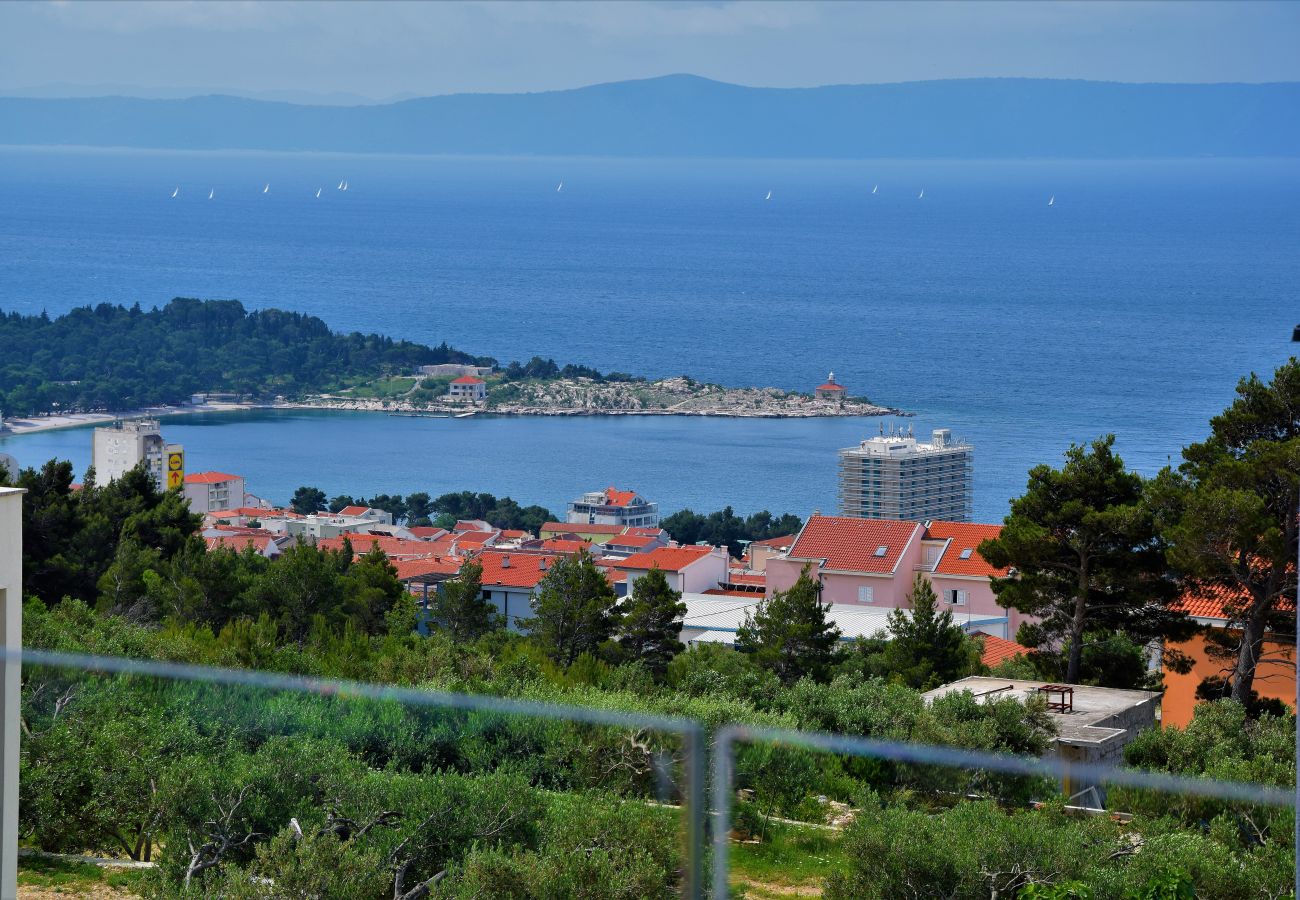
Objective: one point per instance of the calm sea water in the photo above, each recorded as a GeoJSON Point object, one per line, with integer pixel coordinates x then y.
{"type": "Point", "coordinates": [1132, 305]}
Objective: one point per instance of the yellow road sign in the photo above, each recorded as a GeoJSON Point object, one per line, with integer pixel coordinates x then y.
{"type": "Point", "coordinates": [175, 468]}
{"type": "Point", "coordinates": [175, 479]}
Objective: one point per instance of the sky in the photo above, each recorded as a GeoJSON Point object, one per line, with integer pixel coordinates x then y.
{"type": "Point", "coordinates": [375, 51]}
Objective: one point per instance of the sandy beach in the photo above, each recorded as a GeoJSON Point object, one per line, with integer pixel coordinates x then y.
{"type": "Point", "coordinates": [79, 420]}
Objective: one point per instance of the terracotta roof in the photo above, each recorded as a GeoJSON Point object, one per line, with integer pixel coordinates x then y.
{"type": "Point", "coordinates": [353, 511]}
{"type": "Point", "coordinates": [746, 578]}
{"type": "Point", "coordinates": [238, 542]}
{"type": "Point", "coordinates": [473, 538]}
{"type": "Point", "coordinates": [428, 565]}
{"type": "Point", "coordinates": [1213, 602]}
{"type": "Point", "coordinates": [472, 525]}
{"type": "Point", "coordinates": [559, 545]}
{"type": "Point", "coordinates": [996, 650]}
{"type": "Point", "coordinates": [723, 592]}
{"type": "Point", "coordinates": [513, 533]}
{"type": "Point", "coordinates": [468, 379]}
{"type": "Point", "coordinates": [615, 497]}
{"type": "Point", "coordinates": [427, 532]}
{"type": "Point", "coordinates": [853, 544]}
{"type": "Point", "coordinates": [393, 547]}
{"type": "Point", "coordinates": [579, 528]}
{"type": "Point", "coordinates": [963, 537]}
{"type": "Point", "coordinates": [669, 559]}
{"type": "Point", "coordinates": [786, 541]}
{"type": "Point", "coordinates": [211, 478]}
{"type": "Point", "coordinates": [523, 570]}
{"type": "Point", "coordinates": [631, 540]}
{"type": "Point", "coordinates": [647, 531]}
{"type": "Point", "coordinates": [829, 386]}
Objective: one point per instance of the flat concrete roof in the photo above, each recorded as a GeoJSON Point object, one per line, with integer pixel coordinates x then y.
{"type": "Point", "coordinates": [1091, 704]}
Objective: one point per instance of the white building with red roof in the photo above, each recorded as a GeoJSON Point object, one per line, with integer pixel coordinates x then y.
{"type": "Point", "coordinates": [210, 492]}
{"type": "Point", "coordinates": [689, 570]}
{"type": "Point", "coordinates": [611, 506]}
{"type": "Point", "coordinates": [467, 389]}
{"type": "Point", "coordinates": [831, 390]}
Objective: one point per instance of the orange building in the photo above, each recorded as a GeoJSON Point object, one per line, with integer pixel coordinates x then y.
{"type": "Point", "coordinates": [1274, 678]}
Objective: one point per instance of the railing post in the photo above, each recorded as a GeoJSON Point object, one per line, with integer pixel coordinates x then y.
{"type": "Point", "coordinates": [11, 639]}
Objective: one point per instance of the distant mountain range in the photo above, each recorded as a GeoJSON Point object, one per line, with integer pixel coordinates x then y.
{"type": "Point", "coordinates": [684, 116]}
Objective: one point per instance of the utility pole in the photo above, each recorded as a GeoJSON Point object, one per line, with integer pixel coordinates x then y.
{"type": "Point", "coordinates": [11, 639]}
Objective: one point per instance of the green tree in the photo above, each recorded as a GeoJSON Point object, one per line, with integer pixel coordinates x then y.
{"type": "Point", "coordinates": [308, 500]}
{"type": "Point", "coordinates": [789, 633]}
{"type": "Point", "coordinates": [577, 611]}
{"type": "Point", "coordinates": [461, 609]}
{"type": "Point", "coordinates": [1230, 516]}
{"type": "Point", "coordinates": [926, 648]}
{"type": "Point", "coordinates": [652, 621]}
{"type": "Point", "coordinates": [1086, 556]}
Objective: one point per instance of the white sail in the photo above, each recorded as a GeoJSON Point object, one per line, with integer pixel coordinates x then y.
{"type": "Point", "coordinates": [340, 187]}
{"type": "Point", "coordinates": [769, 196]}
{"type": "Point", "coordinates": [345, 184]}
{"type": "Point", "coordinates": [211, 193]}
{"type": "Point", "coordinates": [921, 196]}
{"type": "Point", "coordinates": [175, 192]}
{"type": "Point", "coordinates": [317, 193]}
{"type": "Point", "coordinates": [875, 189]}
{"type": "Point", "coordinates": [1051, 201]}
{"type": "Point", "coordinates": [559, 187]}
{"type": "Point", "coordinates": [267, 189]}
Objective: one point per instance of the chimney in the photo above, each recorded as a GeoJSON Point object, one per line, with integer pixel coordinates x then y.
{"type": "Point", "coordinates": [505, 562]}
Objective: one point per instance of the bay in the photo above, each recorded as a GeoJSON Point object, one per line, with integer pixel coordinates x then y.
{"type": "Point", "coordinates": [1132, 305]}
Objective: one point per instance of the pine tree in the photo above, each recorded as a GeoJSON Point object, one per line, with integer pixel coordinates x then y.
{"type": "Point", "coordinates": [460, 608]}
{"type": "Point", "coordinates": [789, 634]}
{"type": "Point", "coordinates": [927, 649]}
{"type": "Point", "coordinates": [1087, 556]}
{"type": "Point", "coordinates": [576, 609]}
{"type": "Point", "coordinates": [652, 621]}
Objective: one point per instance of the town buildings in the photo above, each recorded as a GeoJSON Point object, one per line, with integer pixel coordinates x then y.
{"type": "Point", "coordinates": [210, 492]}
{"type": "Point", "coordinates": [120, 447]}
{"type": "Point", "coordinates": [893, 476]}
{"type": "Point", "coordinates": [873, 562]}
{"type": "Point", "coordinates": [613, 507]}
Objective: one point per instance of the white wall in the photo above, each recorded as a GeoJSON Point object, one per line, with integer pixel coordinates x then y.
{"type": "Point", "coordinates": [11, 637]}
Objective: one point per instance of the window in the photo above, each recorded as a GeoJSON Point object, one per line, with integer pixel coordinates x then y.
{"type": "Point", "coordinates": [965, 554]}
{"type": "Point", "coordinates": [866, 594]}
{"type": "Point", "coordinates": [881, 551]}
{"type": "Point", "coordinates": [956, 598]}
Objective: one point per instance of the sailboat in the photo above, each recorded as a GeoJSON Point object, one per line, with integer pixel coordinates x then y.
{"type": "Point", "coordinates": [345, 184]}
{"type": "Point", "coordinates": [921, 196]}
{"type": "Point", "coordinates": [317, 193]}
{"type": "Point", "coordinates": [175, 192]}
{"type": "Point", "coordinates": [267, 189]}
{"type": "Point", "coordinates": [875, 189]}
{"type": "Point", "coordinates": [1051, 201]}
{"type": "Point", "coordinates": [769, 196]}
{"type": "Point", "coordinates": [211, 193]}
{"type": "Point", "coordinates": [559, 187]}
{"type": "Point", "coordinates": [340, 187]}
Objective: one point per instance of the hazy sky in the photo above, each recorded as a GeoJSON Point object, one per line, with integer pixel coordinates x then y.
{"type": "Point", "coordinates": [380, 50]}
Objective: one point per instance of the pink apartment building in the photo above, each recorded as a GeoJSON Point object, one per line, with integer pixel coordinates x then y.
{"type": "Point", "coordinates": [872, 562]}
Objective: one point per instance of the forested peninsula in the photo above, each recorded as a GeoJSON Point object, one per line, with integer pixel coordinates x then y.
{"type": "Point", "coordinates": [117, 359]}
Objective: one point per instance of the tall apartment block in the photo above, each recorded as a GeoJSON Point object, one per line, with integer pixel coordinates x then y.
{"type": "Point", "coordinates": [120, 447]}
{"type": "Point", "coordinates": [894, 476]}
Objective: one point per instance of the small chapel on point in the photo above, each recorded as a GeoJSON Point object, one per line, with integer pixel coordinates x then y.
{"type": "Point", "coordinates": [830, 390]}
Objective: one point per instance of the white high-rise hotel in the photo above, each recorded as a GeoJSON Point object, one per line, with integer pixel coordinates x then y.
{"type": "Point", "coordinates": [893, 476]}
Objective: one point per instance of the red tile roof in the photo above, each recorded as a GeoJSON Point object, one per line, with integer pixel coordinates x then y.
{"type": "Point", "coordinates": [996, 650]}
{"type": "Point", "coordinates": [475, 538]}
{"type": "Point", "coordinates": [830, 386]}
{"type": "Point", "coordinates": [513, 533]}
{"type": "Point", "coordinates": [723, 592]}
{"type": "Point", "coordinates": [353, 511]}
{"type": "Point", "coordinates": [1213, 602]}
{"type": "Point", "coordinates": [962, 536]}
{"type": "Point", "coordinates": [393, 547]}
{"type": "Point", "coordinates": [669, 559]}
{"type": "Point", "coordinates": [472, 525]}
{"type": "Point", "coordinates": [211, 478]}
{"type": "Point", "coordinates": [746, 578]}
{"type": "Point", "coordinates": [559, 545]}
{"type": "Point", "coordinates": [647, 531]}
{"type": "Point", "coordinates": [615, 497]}
{"type": "Point", "coordinates": [238, 542]}
{"type": "Point", "coordinates": [850, 544]}
{"type": "Point", "coordinates": [631, 540]}
{"type": "Point", "coordinates": [468, 379]}
{"type": "Point", "coordinates": [427, 532]}
{"type": "Point", "coordinates": [777, 542]}
{"type": "Point", "coordinates": [430, 565]}
{"type": "Point", "coordinates": [514, 569]}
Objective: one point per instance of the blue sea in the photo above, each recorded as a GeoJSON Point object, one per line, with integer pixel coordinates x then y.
{"type": "Point", "coordinates": [1132, 305]}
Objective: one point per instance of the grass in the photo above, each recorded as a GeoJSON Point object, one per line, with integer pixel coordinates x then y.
{"type": "Point", "coordinates": [793, 861]}
{"type": "Point", "coordinates": [384, 388]}
{"type": "Point", "coordinates": [64, 876]}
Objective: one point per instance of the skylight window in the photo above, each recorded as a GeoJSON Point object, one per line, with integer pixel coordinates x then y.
{"type": "Point", "coordinates": [881, 551]}
{"type": "Point", "coordinates": [965, 554]}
